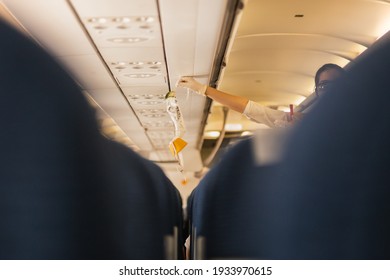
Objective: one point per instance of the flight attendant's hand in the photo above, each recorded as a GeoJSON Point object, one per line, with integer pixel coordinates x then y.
{"type": "Point", "coordinates": [191, 83]}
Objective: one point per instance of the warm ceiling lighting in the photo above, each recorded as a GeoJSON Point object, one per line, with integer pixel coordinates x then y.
{"type": "Point", "coordinates": [150, 102]}
{"type": "Point", "coordinates": [299, 100]}
{"type": "Point", "coordinates": [127, 40]}
{"type": "Point", "coordinates": [144, 19]}
{"type": "Point", "coordinates": [140, 76]}
{"type": "Point", "coordinates": [212, 134]}
{"type": "Point", "coordinates": [146, 96]}
{"type": "Point", "coordinates": [121, 63]}
{"type": "Point", "coordinates": [149, 96]}
{"type": "Point", "coordinates": [284, 108]}
{"type": "Point", "coordinates": [136, 63]}
{"type": "Point", "coordinates": [98, 20]}
{"type": "Point", "coordinates": [233, 127]}
{"type": "Point", "coordinates": [247, 133]}
{"type": "Point", "coordinates": [121, 19]}
{"type": "Point", "coordinates": [154, 62]}
{"type": "Point", "coordinates": [154, 115]}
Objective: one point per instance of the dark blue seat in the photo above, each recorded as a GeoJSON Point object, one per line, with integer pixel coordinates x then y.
{"type": "Point", "coordinates": [168, 197]}
{"type": "Point", "coordinates": [62, 193]}
{"type": "Point", "coordinates": [171, 203]}
{"type": "Point", "coordinates": [222, 224]}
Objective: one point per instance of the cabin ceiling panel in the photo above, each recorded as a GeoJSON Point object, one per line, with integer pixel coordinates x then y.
{"type": "Point", "coordinates": [281, 60]}
{"type": "Point", "coordinates": [158, 124]}
{"type": "Point", "coordinates": [130, 44]}
{"type": "Point", "coordinates": [259, 86]}
{"type": "Point", "coordinates": [136, 66]}
{"type": "Point", "coordinates": [143, 97]}
{"type": "Point", "coordinates": [263, 42]}
{"type": "Point", "coordinates": [356, 20]}
{"type": "Point", "coordinates": [125, 31]}
{"type": "Point", "coordinates": [115, 104]}
{"type": "Point", "coordinates": [53, 24]}
{"type": "Point", "coordinates": [101, 8]}
{"type": "Point", "coordinates": [89, 71]}
{"type": "Point", "coordinates": [150, 115]}
{"type": "Point", "coordinates": [148, 104]}
{"type": "Point", "coordinates": [145, 91]}
{"type": "Point", "coordinates": [190, 41]}
{"type": "Point", "coordinates": [123, 115]}
{"type": "Point", "coordinates": [140, 78]}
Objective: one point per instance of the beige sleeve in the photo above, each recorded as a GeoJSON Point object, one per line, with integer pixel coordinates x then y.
{"type": "Point", "coordinates": [267, 116]}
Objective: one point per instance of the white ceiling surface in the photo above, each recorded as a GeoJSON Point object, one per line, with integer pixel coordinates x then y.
{"type": "Point", "coordinates": [134, 64]}
{"type": "Point", "coordinates": [276, 52]}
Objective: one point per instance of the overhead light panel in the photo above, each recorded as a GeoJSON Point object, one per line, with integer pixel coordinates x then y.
{"type": "Point", "coordinates": [127, 40]}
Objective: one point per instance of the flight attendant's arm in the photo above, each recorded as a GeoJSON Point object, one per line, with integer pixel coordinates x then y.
{"type": "Point", "coordinates": [252, 110]}
{"type": "Point", "coordinates": [236, 103]}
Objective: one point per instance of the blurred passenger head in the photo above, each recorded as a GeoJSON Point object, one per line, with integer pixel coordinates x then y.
{"type": "Point", "coordinates": [325, 75]}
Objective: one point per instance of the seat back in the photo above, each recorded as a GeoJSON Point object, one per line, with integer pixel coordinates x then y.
{"type": "Point", "coordinates": [61, 195]}
{"type": "Point", "coordinates": [222, 224]}
{"type": "Point", "coordinates": [168, 199]}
